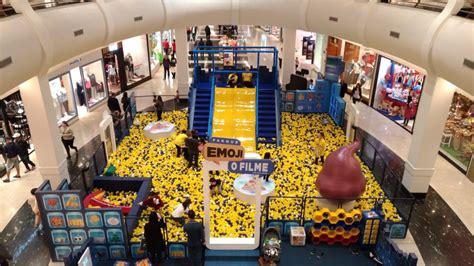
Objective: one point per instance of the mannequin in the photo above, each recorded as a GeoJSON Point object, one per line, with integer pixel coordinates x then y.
{"type": "Point", "coordinates": [61, 97]}
{"type": "Point", "coordinates": [94, 85]}
{"type": "Point", "coordinates": [80, 94]}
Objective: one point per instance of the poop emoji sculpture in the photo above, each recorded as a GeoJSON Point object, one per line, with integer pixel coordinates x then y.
{"type": "Point", "coordinates": [341, 177]}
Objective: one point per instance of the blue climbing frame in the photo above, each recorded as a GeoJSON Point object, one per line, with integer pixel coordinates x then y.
{"type": "Point", "coordinates": [211, 50]}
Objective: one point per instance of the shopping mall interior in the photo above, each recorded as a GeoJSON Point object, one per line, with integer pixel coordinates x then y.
{"type": "Point", "coordinates": [230, 132]}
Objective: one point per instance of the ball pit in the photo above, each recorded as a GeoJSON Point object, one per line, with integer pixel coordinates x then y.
{"type": "Point", "coordinates": [294, 175]}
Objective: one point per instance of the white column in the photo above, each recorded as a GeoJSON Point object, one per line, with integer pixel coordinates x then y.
{"type": "Point", "coordinates": [182, 69]}
{"type": "Point", "coordinates": [288, 57]}
{"type": "Point", "coordinates": [39, 109]}
{"type": "Point", "coordinates": [429, 125]}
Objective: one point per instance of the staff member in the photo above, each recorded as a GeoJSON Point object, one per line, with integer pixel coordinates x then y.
{"type": "Point", "coordinates": [195, 233]}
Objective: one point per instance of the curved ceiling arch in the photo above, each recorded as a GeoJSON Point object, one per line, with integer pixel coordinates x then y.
{"type": "Point", "coordinates": [75, 29]}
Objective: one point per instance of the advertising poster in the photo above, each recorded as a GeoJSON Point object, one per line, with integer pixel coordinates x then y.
{"type": "Point", "coordinates": [310, 50]}
{"type": "Point", "coordinates": [304, 48]}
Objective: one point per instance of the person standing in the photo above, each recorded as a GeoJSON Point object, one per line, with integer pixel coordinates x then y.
{"type": "Point", "coordinates": [188, 34]}
{"type": "Point", "coordinates": [113, 104]}
{"type": "Point", "coordinates": [197, 46]}
{"type": "Point", "coordinates": [173, 66]}
{"type": "Point", "coordinates": [155, 243]}
{"type": "Point", "coordinates": [179, 141]}
{"type": "Point", "coordinates": [357, 93]}
{"type": "Point", "coordinates": [23, 147]}
{"type": "Point", "coordinates": [297, 63]}
{"type": "Point", "coordinates": [166, 46]}
{"type": "Point", "coordinates": [126, 104]}
{"type": "Point", "coordinates": [11, 150]}
{"type": "Point", "coordinates": [207, 30]}
{"type": "Point", "coordinates": [209, 43]}
{"type": "Point", "coordinates": [320, 148]}
{"type": "Point", "coordinates": [194, 32]}
{"type": "Point", "coordinates": [34, 207]}
{"type": "Point", "coordinates": [193, 149]}
{"type": "Point", "coordinates": [159, 107]}
{"type": "Point", "coordinates": [408, 110]}
{"type": "Point", "coordinates": [166, 66]}
{"type": "Point", "coordinates": [173, 45]}
{"type": "Point", "coordinates": [195, 232]}
{"type": "Point", "coordinates": [67, 137]}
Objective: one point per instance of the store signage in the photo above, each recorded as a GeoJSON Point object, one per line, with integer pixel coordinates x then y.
{"type": "Point", "coordinates": [252, 166]}
{"type": "Point", "coordinates": [225, 141]}
{"type": "Point", "coordinates": [221, 149]}
{"type": "Point", "coordinates": [77, 61]}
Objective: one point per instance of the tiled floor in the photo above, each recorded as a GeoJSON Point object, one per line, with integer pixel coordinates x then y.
{"type": "Point", "coordinates": [449, 183]}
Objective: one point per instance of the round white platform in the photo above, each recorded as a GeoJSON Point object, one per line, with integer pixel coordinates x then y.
{"type": "Point", "coordinates": [159, 129]}
{"type": "Point", "coordinates": [247, 193]}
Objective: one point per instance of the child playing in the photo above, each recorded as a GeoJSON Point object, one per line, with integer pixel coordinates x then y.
{"type": "Point", "coordinates": [215, 186]}
{"type": "Point", "coordinates": [153, 201]}
{"type": "Point", "coordinates": [180, 210]}
{"type": "Point", "coordinates": [34, 206]}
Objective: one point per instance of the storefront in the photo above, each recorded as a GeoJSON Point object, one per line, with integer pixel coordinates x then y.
{"type": "Point", "coordinates": [310, 52]}
{"type": "Point", "coordinates": [156, 51]}
{"type": "Point", "coordinates": [397, 92]}
{"type": "Point", "coordinates": [127, 64]}
{"type": "Point", "coordinates": [13, 117]}
{"type": "Point", "coordinates": [359, 65]}
{"type": "Point", "coordinates": [77, 86]}
{"type": "Point", "coordinates": [458, 135]}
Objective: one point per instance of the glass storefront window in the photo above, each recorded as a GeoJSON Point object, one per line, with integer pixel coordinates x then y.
{"type": "Point", "coordinates": [136, 59]}
{"type": "Point", "coordinates": [63, 98]}
{"type": "Point", "coordinates": [458, 136]}
{"type": "Point", "coordinates": [397, 92]}
{"type": "Point", "coordinates": [94, 85]}
{"type": "Point", "coordinates": [154, 42]}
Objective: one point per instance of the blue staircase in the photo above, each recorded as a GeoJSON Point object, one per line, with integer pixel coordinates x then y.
{"type": "Point", "coordinates": [201, 110]}
{"type": "Point", "coordinates": [231, 257]}
{"type": "Point", "coordinates": [268, 128]}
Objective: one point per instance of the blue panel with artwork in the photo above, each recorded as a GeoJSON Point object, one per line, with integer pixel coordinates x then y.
{"type": "Point", "coordinates": [62, 252]}
{"type": "Point", "coordinates": [337, 109]}
{"type": "Point", "coordinates": [137, 251]}
{"type": "Point", "coordinates": [112, 219]}
{"type": "Point", "coordinates": [117, 252]}
{"type": "Point", "coordinates": [94, 219]}
{"type": "Point", "coordinates": [60, 237]}
{"type": "Point", "coordinates": [78, 236]}
{"type": "Point", "coordinates": [177, 251]}
{"type": "Point", "coordinates": [52, 202]}
{"type": "Point", "coordinates": [98, 235]}
{"type": "Point", "coordinates": [71, 202]}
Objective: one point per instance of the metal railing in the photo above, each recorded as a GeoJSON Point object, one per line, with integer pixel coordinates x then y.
{"type": "Point", "coordinates": [467, 11]}
{"type": "Point", "coordinates": [87, 168]}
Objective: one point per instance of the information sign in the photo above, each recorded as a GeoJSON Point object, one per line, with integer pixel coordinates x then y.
{"type": "Point", "coordinates": [252, 166]}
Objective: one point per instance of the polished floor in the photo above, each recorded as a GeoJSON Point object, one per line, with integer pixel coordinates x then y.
{"type": "Point", "coordinates": [442, 227]}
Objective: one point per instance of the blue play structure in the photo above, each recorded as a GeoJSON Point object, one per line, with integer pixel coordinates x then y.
{"type": "Point", "coordinates": [214, 74]}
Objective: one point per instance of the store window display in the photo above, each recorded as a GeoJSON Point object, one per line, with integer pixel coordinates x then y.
{"type": "Point", "coordinates": [95, 90]}
{"type": "Point", "coordinates": [13, 117]}
{"type": "Point", "coordinates": [458, 136]}
{"type": "Point", "coordinates": [136, 59]}
{"type": "Point", "coordinates": [397, 92]}
{"type": "Point", "coordinates": [156, 52]}
{"type": "Point", "coordinates": [62, 93]}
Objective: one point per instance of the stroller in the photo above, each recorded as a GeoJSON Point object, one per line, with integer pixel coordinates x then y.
{"type": "Point", "coordinates": [271, 246]}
